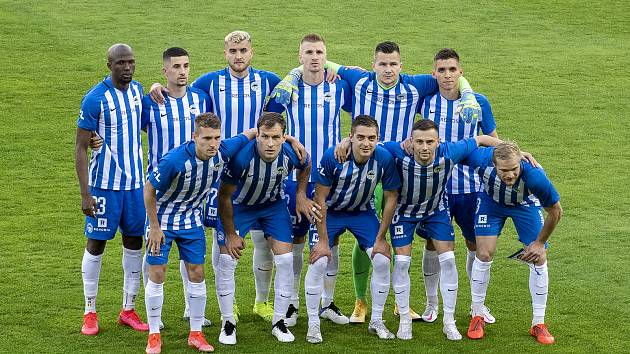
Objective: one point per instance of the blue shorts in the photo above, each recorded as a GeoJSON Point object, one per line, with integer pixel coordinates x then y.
{"type": "Point", "coordinates": [115, 210]}
{"type": "Point", "coordinates": [462, 208]}
{"type": "Point", "coordinates": [272, 218]}
{"type": "Point", "coordinates": [490, 218]}
{"type": "Point", "coordinates": [299, 229]}
{"type": "Point", "coordinates": [436, 226]}
{"type": "Point", "coordinates": [210, 215]}
{"type": "Point", "coordinates": [362, 224]}
{"type": "Point", "coordinates": [191, 244]}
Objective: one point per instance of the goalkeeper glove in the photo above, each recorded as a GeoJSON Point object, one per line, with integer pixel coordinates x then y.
{"type": "Point", "coordinates": [287, 88]}
{"type": "Point", "coordinates": [468, 108]}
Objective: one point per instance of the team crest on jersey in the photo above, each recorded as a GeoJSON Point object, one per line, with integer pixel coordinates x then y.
{"type": "Point", "coordinates": [437, 169]}
{"type": "Point", "coordinates": [280, 170]}
{"type": "Point", "coordinates": [254, 86]}
{"type": "Point", "coordinates": [400, 96]}
{"type": "Point", "coordinates": [327, 97]}
{"type": "Point", "coordinates": [136, 100]}
{"type": "Point", "coordinates": [218, 166]}
{"type": "Point", "coordinates": [194, 109]}
{"type": "Point", "coordinates": [371, 175]}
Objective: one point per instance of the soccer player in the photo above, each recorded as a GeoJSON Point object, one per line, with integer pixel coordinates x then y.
{"type": "Point", "coordinates": [421, 204]}
{"type": "Point", "coordinates": [345, 190]}
{"type": "Point", "coordinates": [392, 99]}
{"type": "Point", "coordinates": [174, 200]}
{"type": "Point", "coordinates": [252, 192]}
{"type": "Point", "coordinates": [237, 95]}
{"type": "Point", "coordinates": [517, 190]}
{"type": "Point", "coordinates": [170, 124]}
{"type": "Point", "coordinates": [463, 185]}
{"type": "Point", "coordinates": [314, 119]}
{"type": "Point", "coordinates": [111, 191]}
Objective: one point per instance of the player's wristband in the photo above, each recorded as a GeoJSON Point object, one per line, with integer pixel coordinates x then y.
{"type": "Point", "coordinates": [464, 86]}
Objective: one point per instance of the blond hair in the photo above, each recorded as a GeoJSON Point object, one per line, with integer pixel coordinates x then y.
{"type": "Point", "coordinates": [506, 151]}
{"type": "Point", "coordinates": [237, 37]}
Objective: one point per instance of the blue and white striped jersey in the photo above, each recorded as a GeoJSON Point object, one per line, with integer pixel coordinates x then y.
{"type": "Point", "coordinates": [351, 185]}
{"type": "Point", "coordinates": [422, 190]}
{"type": "Point", "coordinates": [183, 181]}
{"type": "Point", "coordinates": [451, 128]}
{"type": "Point", "coordinates": [258, 181]}
{"type": "Point", "coordinates": [239, 102]}
{"type": "Point", "coordinates": [394, 109]}
{"type": "Point", "coordinates": [532, 187]}
{"type": "Point", "coordinates": [115, 116]}
{"type": "Point", "coordinates": [171, 124]}
{"type": "Point", "coordinates": [315, 118]}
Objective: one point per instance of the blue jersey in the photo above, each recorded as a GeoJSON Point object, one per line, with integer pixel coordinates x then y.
{"type": "Point", "coordinates": [394, 109]}
{"type": "Point", "coordinates": [257, 180]}
{"type": "Point", "coordinates": [239, 102]}
{"type": "Point", "coordinates": [532, 186]}
{"type": "Point", "coordinates": [451, 128]}
{"type": "Point", "coordinates": [182, 182]}
{"type": "Point", "coordinates": [422, 190]}
{"type": "Point", "coordinates": [351, 185]}
{"type": "Point", "coordinates": [315, 118]}
{"type": "Point", "coordinates": [115, 116]}
{"type": "Point", "coordinates": [171, 124]}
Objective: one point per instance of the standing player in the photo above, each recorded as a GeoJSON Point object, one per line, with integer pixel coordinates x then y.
{"type": "Point", "coordinates": [237, 95]}
{"type": "Point", "coordinates": [345, 191]}
{"type": "Point", "coordinates": [174, 200]}
{"type": "Point", "coordinates": [314, 119]}
{"type": "Point", "coordinates": [421, 204]}
{"type": "Point", "coordinates": [252, 192]}
{"type": "Point", "coordinates": [170, 124]}
{"type": "Point", "coordinates": [517, 190]}
{"type": "Point", "coordinates": [111, 191]}
{"type": "Point", "coordinates": [464, 184]}
{"type": "Point", "coordinates": [392, 99]}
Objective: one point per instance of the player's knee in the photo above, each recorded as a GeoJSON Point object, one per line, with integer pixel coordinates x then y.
{"type": "Point", "coordinates": [132, 242]}
{"type": "Point", "coordinates": [156, 273]}
{"type": "Point", "coordinates": [484, 255]}
{"type": "Point", "coordinates": [380, 263]}
{"type": "Point", "coordinates": [95, 247]}
{"type": "Point", "coordinates": [196, 273]}
{"type": "Point", "coordinates": [429, 245]}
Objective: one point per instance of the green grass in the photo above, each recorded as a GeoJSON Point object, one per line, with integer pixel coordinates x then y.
{"type": "Point", "coordinates": [555, 72]}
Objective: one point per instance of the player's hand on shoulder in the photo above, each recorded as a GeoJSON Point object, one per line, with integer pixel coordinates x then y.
{"type": "Point", "coordinates": [319, 250]}
{"type": "Point", "coordinates": [332, 76]}
{"type": "Point", "coordinates": [407, 145]}
{"type": "Point", "coordinates": [156, 93]}
{"type": "Point", "coordinates": [342, 150]}
{"type": "Point", "coordinates": [530, 158]}
{"type": "Point", "coordinates": [355, 67]}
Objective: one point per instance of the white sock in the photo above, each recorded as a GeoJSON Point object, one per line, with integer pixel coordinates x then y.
{"type": "Point", "coordinates": [479, 280]}
{"type": "Point", "coordinates": [197, 302]}
{"type": "Point", "coordinates": [145, 270]}
{"type": "Point", "coordinates": [379, 284]}
{"type": "Point", "coordinates": [283, 285]}
{"type": "Point", "coordinates": [184, 272]}
{"type": "Point", "coordinates": [401, 285]}
{"type": "Point", "coordinates": [313, 284]}
{"type": "Point", "coordinates": [262, 264]}
{"type": "Point", "coordinates": [330, 278]}
{"type": "Point", "coordinates": [226, 286]}
{"type": "Point", "coordinates": [90, 271]}
{"type": "Point", "coordinates": [448, 285]}
{"type": "Point", "coordinates": [538, 287]}
{"type": "Point", "coordinates": [431, 271]}
{"type": "Point", "coordinates": [470, 258]}
{"type": "Point", "coordinates": [215, 256]}
{"type": "Point", "coordinates": [154, 299]}
{"type": "Point", "coordinates": [298, 263]}
{"type": "Point", "coordinates": [132, 266]}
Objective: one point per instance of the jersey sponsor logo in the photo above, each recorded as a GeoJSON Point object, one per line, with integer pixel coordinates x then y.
{"type": "Point", "coordinates": [371, 175]}
{"type": "Point", "coordinates": [90, 228]}
{"type": "Point", "coordinates": [101, 222]}
{"type": "Point", "coordinates": [483, 219]}
{"type": "Point", "coordinates": [398, 229]}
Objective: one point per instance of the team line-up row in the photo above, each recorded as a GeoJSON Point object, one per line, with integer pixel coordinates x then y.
{"type": "Point", "coordinates": [247, 169]}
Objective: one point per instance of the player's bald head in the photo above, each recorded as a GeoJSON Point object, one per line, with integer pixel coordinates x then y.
{"type": "Point", "coordinates": [118, 50]}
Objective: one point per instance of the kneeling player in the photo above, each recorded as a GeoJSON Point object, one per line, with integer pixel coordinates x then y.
{"type": "Point", "coordinates": [174, 199]}
{"type": "Point", "coordinates": [346, 190]}
{"type": "Point", "coordinates": [252, 192]}
{"type": "Point", "coordinates": [517, 190]}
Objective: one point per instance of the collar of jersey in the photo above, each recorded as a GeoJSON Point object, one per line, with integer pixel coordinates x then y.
{"type": "Point", "coordinates": [227, 70]}
{"type": "Point", "coordinates": [388, 88]}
